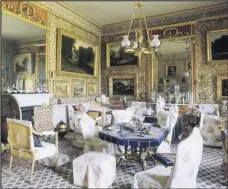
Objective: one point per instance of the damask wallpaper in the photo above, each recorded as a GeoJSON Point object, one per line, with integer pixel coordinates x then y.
{"type": "Point", "coordinates": [7, 61]}
{"type": "Point", "coordinates": [205, 73]}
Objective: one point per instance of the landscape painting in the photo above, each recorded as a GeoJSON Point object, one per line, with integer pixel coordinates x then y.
{"type": "Point", "coordinates": [76, 56]}
{"type": "Point", "coordinates": [23, 63]}
{"type": "Point", "coordinates": [217, 41]}
{"type": "Point", "coordinates": [116, 56]}
{"type": "Point", "coordinates": [78, 88]}
{"type": "Point", "coordinates": [123, 86]}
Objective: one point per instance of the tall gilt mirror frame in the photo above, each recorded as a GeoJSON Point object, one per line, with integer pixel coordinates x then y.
{"type": "Point", "coordinates": [175, 32]}
{"type": "Point", "coordinates": [33, 13]}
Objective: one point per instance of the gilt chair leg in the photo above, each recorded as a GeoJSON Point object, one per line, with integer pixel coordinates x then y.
{"type": "Point", "coordinates": [33, 163]}
{"type": "Point", "coordinates": [10, 165]}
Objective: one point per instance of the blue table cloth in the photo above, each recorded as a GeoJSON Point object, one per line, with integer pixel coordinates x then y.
{"type": "Point", "coordinates": [129, 138]}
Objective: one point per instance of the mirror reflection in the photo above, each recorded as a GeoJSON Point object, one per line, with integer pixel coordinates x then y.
{"type": "Point", "coordinates": [23, 52]}
{"type": "Point", "coordinates": [174, 71]}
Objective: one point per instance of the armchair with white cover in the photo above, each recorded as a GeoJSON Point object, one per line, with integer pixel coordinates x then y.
{"type": "Point", "coordinates": [167, 119]}
{"type": "Point", "coordinates": [20, 137]}
{"type": "Point", "coordinates": [87, 135]}
{"type": "Point", "coordinates": [184, 172]}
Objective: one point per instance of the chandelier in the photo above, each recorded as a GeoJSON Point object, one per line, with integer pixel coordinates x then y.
{"type": "Point", "coordinates": [138, 46]}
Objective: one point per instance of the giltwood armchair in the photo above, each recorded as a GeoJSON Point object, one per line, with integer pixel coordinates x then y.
{"type": "Point", "coordinates": [20, 138]}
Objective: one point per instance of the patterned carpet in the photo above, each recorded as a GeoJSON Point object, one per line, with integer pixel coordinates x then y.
{"type": "Point", "coordinates": [210, 174]}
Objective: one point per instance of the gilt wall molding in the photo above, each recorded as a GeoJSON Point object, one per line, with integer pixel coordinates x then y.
{"type": "Point", "coordinates": [206, 73]}
{"type": "Point", "coordinates": [56, 22]}
{"type": "Point", "coordinates": [161, 20]}
{"type": "Point", "coordinates": [68, 100]}
{"type": "Point", "coordinates": [72, 17]}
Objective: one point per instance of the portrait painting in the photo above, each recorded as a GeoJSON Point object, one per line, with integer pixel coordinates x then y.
{"type": "Point", "coordinates": [23, 63]}
{"type": "Point", "coordinates": [92, 88]}
{"type": "Point", "coordinates": [222, 87]}
{"type": "Point", "coordinates": [123, 86]}
{"type": "Point", "coordinates": [75, 56]}
{"type": "Point", "coordinates": [171, 70]}
{"type": "Point", "coordinates": [78, 88]}
{"type": "Point", "coordinates": [116, 56]}
{"type": "Point", "coordinates": [62, 88]}
{"type": "Point", "coordinates": [217, 45]}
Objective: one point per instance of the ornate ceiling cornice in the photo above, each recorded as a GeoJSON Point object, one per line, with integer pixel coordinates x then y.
{"type": "Point", "coordinates": [61, 10]}
{"type": "Point", "coordinates": [197, 14]}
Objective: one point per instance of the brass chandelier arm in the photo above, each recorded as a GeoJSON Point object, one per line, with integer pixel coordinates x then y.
{"type": "Point", "coordinates": [146, 28]}
{"type": "Point", "coordinates": [133, 14]}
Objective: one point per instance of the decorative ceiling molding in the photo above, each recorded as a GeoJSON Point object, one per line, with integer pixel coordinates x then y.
{"type": "Point", "coordinates": [197, 14]}
{"type": "Point", "coordinates": [63, 11]}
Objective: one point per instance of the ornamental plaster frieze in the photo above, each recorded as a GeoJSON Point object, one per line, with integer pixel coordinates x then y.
{"type": "Point", "coordinates": [72, 17]}
{"type": "Point", "coordinates": [166, 20]}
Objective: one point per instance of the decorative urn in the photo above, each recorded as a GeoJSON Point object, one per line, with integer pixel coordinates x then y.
{"type": "Point", "coordinates": [62, 129]}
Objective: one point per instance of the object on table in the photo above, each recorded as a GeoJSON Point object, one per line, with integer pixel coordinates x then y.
{"type": "Point", "coordinates": [62, 129]}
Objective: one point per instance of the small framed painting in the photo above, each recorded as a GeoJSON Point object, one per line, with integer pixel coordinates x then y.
{"type": "Point", "coordinates": [183, 80]}
{"type": "Point", "coordinates": [62, 88]}
{"type": "Point", "coordinates": [123, 85]}
{"type": "Point", "coordinates": [23, 63]}
{"type": "Point", "coordinates": [222, 87]}
{"type": "Point", "coordinates": [217, 46]}
{"type": "Point", "coordinates": [78, 88]}
{"type": "Point", "coordinates": [91, 89]}
{"type": "Point", "coordinates": [171, 70]}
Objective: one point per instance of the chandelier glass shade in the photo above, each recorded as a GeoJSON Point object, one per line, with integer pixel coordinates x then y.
{"type": "Point", "coordinates": [138, 46]}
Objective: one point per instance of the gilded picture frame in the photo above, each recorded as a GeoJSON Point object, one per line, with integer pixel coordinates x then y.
{"type": "Point", "coordinates": [23, 63]}
{"type": "Point", "coordinates": [76, 56]}
{"type": "Point", "coordinates": [78, 88]}
{"type": "Point", "coordinates": [117, 58]}
{"type": "Point", "coordinates": [91, 89]}
{"type": "Point", "coordinates": [222, 87]}
{"type": "Point", "coordinates": [217, 46]}
{"type": "Point", "coordinates": [171, 70]}
{"type": "Point", "coordinates": [128, 83]}
{"type": "Point", "coordinates": [61, 87]}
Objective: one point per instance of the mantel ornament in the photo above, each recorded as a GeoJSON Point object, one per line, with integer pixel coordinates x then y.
{"type": "Point", "coordinates": [26, 11]}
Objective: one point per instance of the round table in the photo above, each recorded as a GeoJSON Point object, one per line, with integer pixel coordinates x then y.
{"type": "Point", "coordinates": [138, 144]}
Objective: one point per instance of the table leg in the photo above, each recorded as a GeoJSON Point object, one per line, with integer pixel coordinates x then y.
{"type": "Point", "coordinates": [142, 159]}
{"type": "Point", "coordinates": [122, 157]}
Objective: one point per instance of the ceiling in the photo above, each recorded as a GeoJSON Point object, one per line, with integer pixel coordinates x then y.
{"type": "Point", "coordinates": [17, 29]}
{"type": "Point", "coordinates": [109, 12]}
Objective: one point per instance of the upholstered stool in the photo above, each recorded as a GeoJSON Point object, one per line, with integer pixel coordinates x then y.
{"type": "Point", "coordinates": [51, 161]}
{"type": "Point", "coordinates": [94, 170]}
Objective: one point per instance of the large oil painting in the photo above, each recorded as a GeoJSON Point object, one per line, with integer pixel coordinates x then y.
{"type": "Point", "coordinates": [23, 63]}
{"type": "Point", "coordinates": [75, 56]}
{"type": "Point", "coordinates": [222, 87]}
{"type": "Point", "coordinates": [123, 85]}
{"type": "Point", "coordinates": [116, 57]}
{"type": "Point", "coordinates": [217, 45]}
